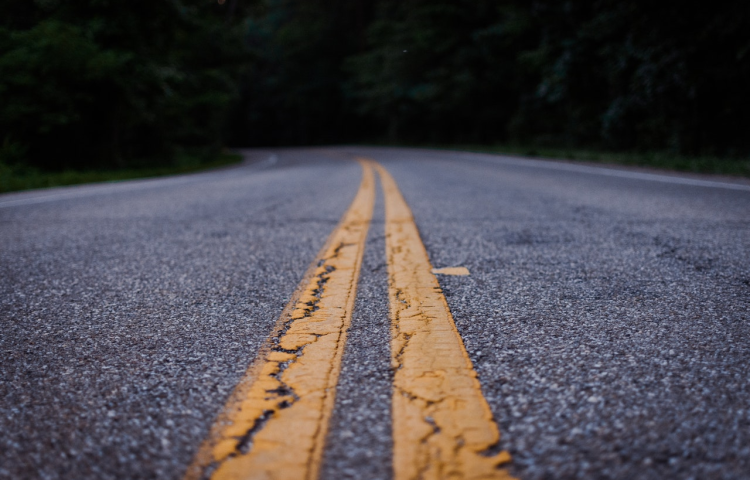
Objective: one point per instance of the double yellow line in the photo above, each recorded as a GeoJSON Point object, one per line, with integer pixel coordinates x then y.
{"type": "Point", "coordinates": [275, 424]}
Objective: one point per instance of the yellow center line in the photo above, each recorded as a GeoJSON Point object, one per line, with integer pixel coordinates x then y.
{"type": "Point", "coordinates": [274, 426]}
{"type": "Point", "coordinates": [442, 425]}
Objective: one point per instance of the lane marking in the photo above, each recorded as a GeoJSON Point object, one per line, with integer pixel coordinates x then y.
{"type": "Point", "coordinates": [460, 271]}
{"type": "Point", "coordinates": [275, 424]}
{"type": "Point", "coordinates": [442, 425]}
{"type": "Point", "coordinates": [87, 190]}
{"type": "Point", "coordinates": [604, 171]}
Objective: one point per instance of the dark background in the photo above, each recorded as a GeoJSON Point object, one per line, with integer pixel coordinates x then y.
{"type": "Point", "coordinates": [123, 83]}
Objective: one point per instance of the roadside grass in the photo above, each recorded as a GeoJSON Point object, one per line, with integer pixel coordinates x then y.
{"type": "Point", "coordinates": [15, 178]}
{"type": "Point", "coordinates": [739, 167]}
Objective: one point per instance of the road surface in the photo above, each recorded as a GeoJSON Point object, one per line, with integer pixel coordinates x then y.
{"type": "Point", "coordinates": [602, 331]}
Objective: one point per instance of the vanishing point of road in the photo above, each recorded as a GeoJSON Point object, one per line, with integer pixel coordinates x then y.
{"type": "Point", "coordinates": [378, 313]}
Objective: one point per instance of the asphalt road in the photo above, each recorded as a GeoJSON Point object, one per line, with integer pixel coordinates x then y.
{"type": "Point", "coordinates": [607, 312]}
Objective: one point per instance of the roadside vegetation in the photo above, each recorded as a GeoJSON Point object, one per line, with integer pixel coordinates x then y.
{"type": "Point", "coordinates": [20, 177]}
{"type": "Point", "coordinates": [116, 85]}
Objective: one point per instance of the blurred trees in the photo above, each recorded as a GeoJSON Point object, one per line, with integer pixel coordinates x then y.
{"type": "Point", "coordinates": [107, 83]}
{"type": "Point", "coordinates": [436, 71]}
{"type": "Point", "coordinates": [626, 75]}
{"type": "Point", "coordinates": [113, 82]}
{"type": "Point", "coordinates": [293, 92]}
{"type": "Point", "coordinates": [640, 75]}
{"type": "Point", "coordinates": [614, 74]}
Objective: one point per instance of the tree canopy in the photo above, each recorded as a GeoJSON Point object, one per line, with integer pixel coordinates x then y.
{"type": "Point", "coordinates": [111, 83]}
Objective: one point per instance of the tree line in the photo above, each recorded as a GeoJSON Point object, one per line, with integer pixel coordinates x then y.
{"type": "Point", "coordinates": [115, 83]}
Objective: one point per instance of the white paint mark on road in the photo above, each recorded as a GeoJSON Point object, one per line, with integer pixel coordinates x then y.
{"type": "Point", "coordinates": [99, 189]}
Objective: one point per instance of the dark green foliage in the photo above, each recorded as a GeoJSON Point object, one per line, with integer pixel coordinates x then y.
{"type": "Point", "coordinates": [623, 75]}
{"type": "Point", "coordinates": [293, 92]}
{"type": "Point", "coordinates": [116, 83]}
{"type": "Point", "coordinates": [111, 83]}
{"type": "Point", "coordinates": [433, 69]}
{"type": "Point", "coordinates": [641, 75]}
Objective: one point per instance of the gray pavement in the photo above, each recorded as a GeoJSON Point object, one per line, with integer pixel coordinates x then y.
{"type": "Point", "coordinates": [128, 317]}
{"type": "Point", "coordinates": [359, 439]}
{"type": "Point", "coordinates": [607, 312]}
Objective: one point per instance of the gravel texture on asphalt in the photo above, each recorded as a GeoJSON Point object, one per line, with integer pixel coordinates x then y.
{"type": "Point", "coordinates": [608, 317]}
{"type": "Point", "coordinates": [127, 318]}
{"type": "Point", "coordinates": [359, 443]}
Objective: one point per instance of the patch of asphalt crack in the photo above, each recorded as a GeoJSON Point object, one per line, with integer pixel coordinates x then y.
{"type": "Point", "coordinates": [246, 442]}
{"type": "Point", "coordinates": [331, 366]}
{"type": "Point", "coordinates": [397, 364]}
{"type": "Point", "coordinates": [490, 451]}
{"type": "Point", "coordinates": [494, 449]}
{"type": "Point", "coordinates": [359, 439]}
{"type": "Point", "coordinates": [435, 428]}
{"type": "Point", "coordinates": [209, 470]}
{"type": "Point", "coordinates": [424, 440]}
{"type": "Point", "coordinates": [284, 391]}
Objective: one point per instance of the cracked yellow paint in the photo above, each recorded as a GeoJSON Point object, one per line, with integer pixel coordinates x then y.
{"type": "Point", "coordinates": [442, 425]}
{"type": "Point", "coordinates": [275, 424]}
{"type": "Point", "coordinates": [460, 271]}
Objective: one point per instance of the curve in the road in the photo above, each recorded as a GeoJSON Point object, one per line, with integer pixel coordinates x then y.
{"type": "Point", "coordinates": [442, 424]}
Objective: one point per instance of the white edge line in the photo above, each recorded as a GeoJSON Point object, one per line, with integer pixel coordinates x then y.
{"type": "Point", "coordinates": [609, 172]}
{"type": "Point", "coordinates": [85, 190]}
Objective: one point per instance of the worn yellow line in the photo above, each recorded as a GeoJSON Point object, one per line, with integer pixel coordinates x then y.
{"type": "Point", "coordinates": [442, 425]}
{"type": "Point", "coordinates": [275, 425]}
{"type": "Point", "coordinates": [458, 271]}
